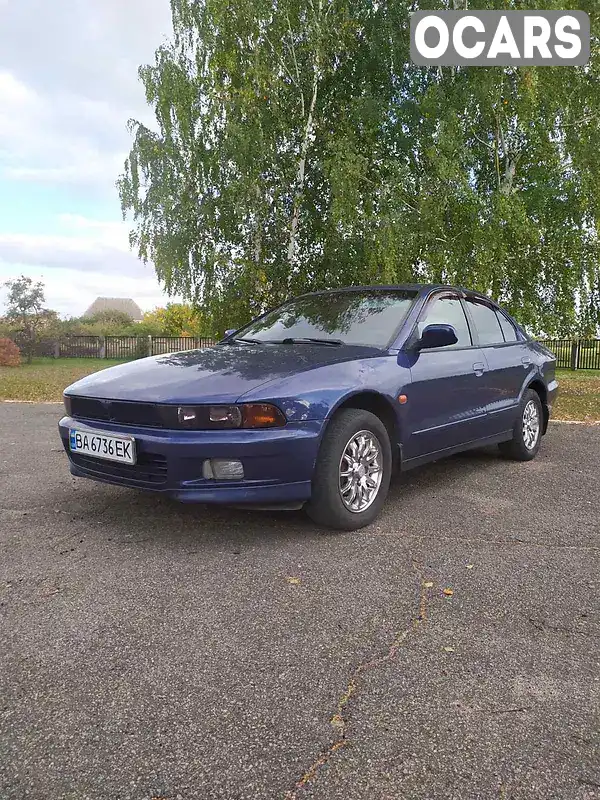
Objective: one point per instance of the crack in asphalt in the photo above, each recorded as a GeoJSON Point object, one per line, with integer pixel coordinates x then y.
{"type": "Point", "coordinates": [544, 626]}
{"type": "Point", "coordinates": [340, 719]}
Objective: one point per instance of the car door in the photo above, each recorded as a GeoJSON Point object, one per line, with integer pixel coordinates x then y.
{"type": "Point", "coordinates": [445, 405]}
{"type": "Point", "coordinates": [507, 360]}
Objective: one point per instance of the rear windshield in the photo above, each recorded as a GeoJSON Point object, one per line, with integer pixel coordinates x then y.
{"type": "Point", "coordinates": [368, 318]}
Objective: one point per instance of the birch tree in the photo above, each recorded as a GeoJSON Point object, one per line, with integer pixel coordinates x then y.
{"type": "Point", "coordinates": [219, 192]}
{"type": "Point", "coordinates": [296, 147]}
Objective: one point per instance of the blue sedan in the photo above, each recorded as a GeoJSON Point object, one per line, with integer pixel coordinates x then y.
{"type": "Point", "coordinates": [316, 403]}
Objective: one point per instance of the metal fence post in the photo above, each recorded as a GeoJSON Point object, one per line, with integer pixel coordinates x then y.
{"type": "Point", "coordinates": [150, 345]}
{"type": "Point", "coordinates": [57, 349]}
{"type": "Point", "coordinates": [102, 353]}
{"type": "Point", "coordinates": [575, 354]}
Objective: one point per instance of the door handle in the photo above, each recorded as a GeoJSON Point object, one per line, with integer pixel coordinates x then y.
{"type": "Point", "coordinates": [479, 368]}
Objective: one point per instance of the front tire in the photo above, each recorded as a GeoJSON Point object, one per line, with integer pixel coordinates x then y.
{"type": "Point", "coordinates": [527, 433]}
{"type": "Point", "coordinates": [352, 473]}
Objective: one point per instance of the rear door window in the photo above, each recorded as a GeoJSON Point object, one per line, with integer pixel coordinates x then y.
{"type": "Point", "coordinates": [486, 323]}
{"type": "Point", "coordinates": [447, 311]}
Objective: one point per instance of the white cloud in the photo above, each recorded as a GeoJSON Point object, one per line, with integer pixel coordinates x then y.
{"type": "Point", "coordinates": [89, 258]}
{"type": "Point", "coordinates": [60, 138]}
{"type": "Point", "coordinates": [85, 244]}
{"type": "Point", "coordinates": [68, 85]}
{"type": "Point", "coordinates": [113, 231]}
{"type": "Point", "coordinates": [71, 291]}
{"type": "Point", "coordinates": [81, 253]}
{"type": "Point", "coordinates": [66, 97]}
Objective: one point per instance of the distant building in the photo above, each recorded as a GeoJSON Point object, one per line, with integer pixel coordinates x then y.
{"type": "Point", "coordinates": [123, 304]}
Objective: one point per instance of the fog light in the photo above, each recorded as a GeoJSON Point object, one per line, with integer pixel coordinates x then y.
{"type": "Point", "coordinates": [221, 469]}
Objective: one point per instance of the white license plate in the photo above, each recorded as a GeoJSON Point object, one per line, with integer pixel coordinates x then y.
{"type": "Point", "coordinates": [101, 445]}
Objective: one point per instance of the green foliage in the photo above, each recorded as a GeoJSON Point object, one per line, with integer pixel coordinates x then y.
{"type": "Point", "coordinates": [107, 323]}
{"type": "Point", "coordinates": [177, 319]}
{"type": "Point", "coordinates": [25, 312]}
{"type": "Point", "coordinates": [297, 148]}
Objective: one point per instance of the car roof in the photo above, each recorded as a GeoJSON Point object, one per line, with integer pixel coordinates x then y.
{"type": "Point", "coordinates": [421, 288]}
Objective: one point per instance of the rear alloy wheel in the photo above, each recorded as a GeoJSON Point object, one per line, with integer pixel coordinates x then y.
{"type": "Point", "coordinates": [352, 473]}
{"type": "Point", "coordinates": [527, 432]}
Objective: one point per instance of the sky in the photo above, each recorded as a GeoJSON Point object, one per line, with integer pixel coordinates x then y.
{"type": "Point", "coordinates": [68, 85]}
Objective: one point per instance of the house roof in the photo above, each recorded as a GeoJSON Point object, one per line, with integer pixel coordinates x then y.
{"type": "Point", "coordinates": [123, 304]}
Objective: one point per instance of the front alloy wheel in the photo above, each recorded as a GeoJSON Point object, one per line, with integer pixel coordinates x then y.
{"type": "Point", "coordinates": [353, 470]}
{"type": "Point", "coordinates": [361, 471]}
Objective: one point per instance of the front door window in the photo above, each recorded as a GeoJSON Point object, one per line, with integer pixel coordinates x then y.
{"type": "Point", "coordinates": [447, 311]}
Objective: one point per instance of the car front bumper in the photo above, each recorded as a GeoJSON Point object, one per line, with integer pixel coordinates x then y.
{"type": "Point", "coordinates": [278, 463]}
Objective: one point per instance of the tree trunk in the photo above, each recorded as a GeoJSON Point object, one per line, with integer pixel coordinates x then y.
{"type": "Point", "coordinates": [291, 253]}
{"type": "Point", "coordinates": [258, 231]}
{"type": "Point", "coordinates": [506, 184]}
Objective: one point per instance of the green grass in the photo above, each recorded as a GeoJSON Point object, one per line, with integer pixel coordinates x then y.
{"type": "Point", "coordinates": [578, 374]}
{"type": "Point", "coordinates": [46, 378]}
{"type": "Point", "coordinates": [578, 395]}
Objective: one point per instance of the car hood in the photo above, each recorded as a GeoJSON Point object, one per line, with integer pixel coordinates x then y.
{"type": "Point", "coordinates": [216, 374]}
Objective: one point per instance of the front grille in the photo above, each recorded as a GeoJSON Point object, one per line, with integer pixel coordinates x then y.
{"type": "Point", "coordinates": [150, 469]}
{"type": "Point", "coordinates": [148, 415]}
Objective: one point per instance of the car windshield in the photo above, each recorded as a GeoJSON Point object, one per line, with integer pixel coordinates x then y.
{"type": "Point", "coordinates": [356, 317]}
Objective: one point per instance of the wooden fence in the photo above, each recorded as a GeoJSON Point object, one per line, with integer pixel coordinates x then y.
{"type": "Point", "coordinates": [124, 347]}
{"type": "Point", "coordinates": [570, 353]}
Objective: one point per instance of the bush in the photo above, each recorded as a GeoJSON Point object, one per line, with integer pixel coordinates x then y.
{"type": "Point", "coordinates": [10, 355]}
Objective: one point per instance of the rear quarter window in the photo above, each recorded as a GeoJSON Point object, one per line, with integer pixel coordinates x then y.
{"type": "Point", "coordinates": [508, 329]}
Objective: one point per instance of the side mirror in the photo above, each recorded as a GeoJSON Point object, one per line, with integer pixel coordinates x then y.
{"type": "Point", "coordinates": [230, 332]}
{"type": "Point", "coordinates": [436, 336]}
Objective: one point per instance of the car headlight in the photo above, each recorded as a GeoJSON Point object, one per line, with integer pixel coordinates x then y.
{"type": "Point", "coordinates": [248, 415]}
{"type": "Point", "coordinates": [199, 417]}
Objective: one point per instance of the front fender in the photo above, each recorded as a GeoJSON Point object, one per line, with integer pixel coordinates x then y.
{"type": "Point", "coordinates": [316, 394]}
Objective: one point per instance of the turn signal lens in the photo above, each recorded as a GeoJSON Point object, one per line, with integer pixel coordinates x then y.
{"type": "Point", "coordinates": [262, 415]}
{"type": "Point", "coordinates": [67, 402]}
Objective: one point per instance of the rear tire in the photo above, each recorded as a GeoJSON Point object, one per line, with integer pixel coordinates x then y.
{"type": "Point", "coordinates": [352, 473]}
{"type": "Point", "coordinates": [527, 432]}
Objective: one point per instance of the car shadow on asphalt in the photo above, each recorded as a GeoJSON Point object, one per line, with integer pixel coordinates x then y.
{"type": "Point", "coordinates": [446, 471]}
{"type": "Point", "coordinates": [135, 515]}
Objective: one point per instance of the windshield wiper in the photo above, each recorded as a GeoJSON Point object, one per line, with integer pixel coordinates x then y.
{"type": "Point", "coordinates": [313, 340]}
{"type": "Point", "coordinates": [243, 340]}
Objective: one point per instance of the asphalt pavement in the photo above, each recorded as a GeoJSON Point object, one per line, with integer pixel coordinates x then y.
{"type": "Point", "coordinates": [154, 650]}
